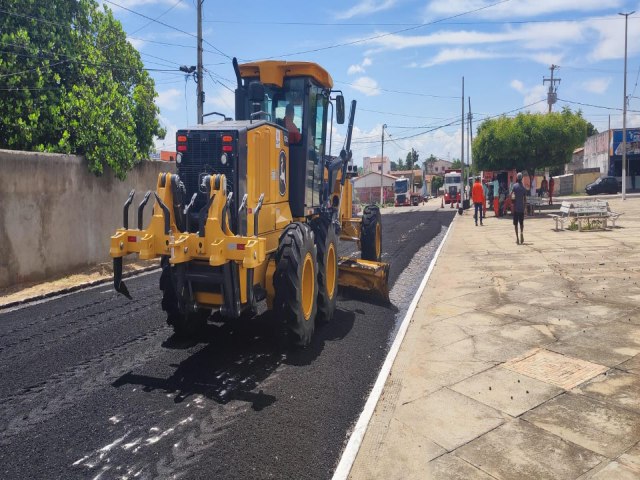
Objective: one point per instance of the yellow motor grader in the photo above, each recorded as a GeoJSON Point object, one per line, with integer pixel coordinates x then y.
{"type": "Point", "coordinates": [256, 209]}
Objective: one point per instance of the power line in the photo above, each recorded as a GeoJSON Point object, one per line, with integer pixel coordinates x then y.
{"type": "Point", "coordinates": [454, 123]}
{"type": "Point", "coordinates": [595, 106]}
{"type": "Point", "coordinates": [382, 35]}
{"type": "Point", "coordinates": [219, 52]}
{"type": "Point", "coordinates": [380, 24]}
{"type": "Point", "coordinates": [398, 91]}
{"type": "Point", "coordinates": [401, 114]}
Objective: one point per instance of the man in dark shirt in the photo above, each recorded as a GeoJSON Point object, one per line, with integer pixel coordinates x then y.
{"type": "Point", "coordinates": [520, 199]}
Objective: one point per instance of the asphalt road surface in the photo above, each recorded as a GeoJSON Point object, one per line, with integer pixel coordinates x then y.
{"type": "Point", "coordinates": [95, 386]}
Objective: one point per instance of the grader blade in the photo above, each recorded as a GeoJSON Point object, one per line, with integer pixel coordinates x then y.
{"type": "Point", "coordinates": [364, 275]}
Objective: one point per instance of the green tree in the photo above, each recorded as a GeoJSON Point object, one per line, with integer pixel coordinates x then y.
{"type": "Point", "coordinates": [529, 141]}
{"type": "Point", "coordinates": [436, 183]}
{"type": "Point", "coordinates": [456, 163]}
{"type": "Point", "coordinates": [393, 166]}
{"type": "Point", "coordinates": [428, 163]}
{"type": "Point", "coordinates": [77, 86]}
{"type": "Point", "coordinates": [412, 159]}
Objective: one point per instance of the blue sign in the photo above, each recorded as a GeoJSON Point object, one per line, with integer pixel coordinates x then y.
{"type": "Point", "coordinates": [633, 142]}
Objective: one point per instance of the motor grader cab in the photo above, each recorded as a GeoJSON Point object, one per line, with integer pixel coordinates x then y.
{"type": "Point", "coordinates": [256, 209]}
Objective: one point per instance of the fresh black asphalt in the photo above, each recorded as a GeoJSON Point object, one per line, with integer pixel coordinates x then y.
{"type": "Point", "coordinates": [95, 386]}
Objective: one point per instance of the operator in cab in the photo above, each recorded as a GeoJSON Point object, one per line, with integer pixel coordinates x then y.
{"type": "Point", "coordinates": [294, 132]}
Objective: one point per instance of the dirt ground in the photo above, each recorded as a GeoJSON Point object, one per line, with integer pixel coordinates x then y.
{"type": "Point", "coordinates": [87, 276]}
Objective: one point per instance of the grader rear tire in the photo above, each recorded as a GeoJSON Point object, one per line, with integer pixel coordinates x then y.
{"type": "Point", "coordinates": [371, 234]}
{"type": "Point", "coordinates": [327, 245]}
{"type": "Point", "coordinates": [295, 282]}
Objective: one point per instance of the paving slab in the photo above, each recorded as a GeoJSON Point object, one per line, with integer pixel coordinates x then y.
{"type": "Point", "coordinates": [615, 387]}
{"type": "Point", "coordinates": [632, 365]}
{"type": "Point", "coordinates": [609, 344]}
{"type": "Point", "coordinates": [451, 467]}
{"type": "Point", "coordinates": [448, 418]}
{"type": "Point", "coordinates": [518, 450]}
{"type": "Point", "coordinates": [478, 322]}
{"type": "Point", "coordinates": [410, 449]}
{"type": "Point", "coordinates": [482, 348]}
{"type": "Point", "coordinates": [594, 425]}
{"type": "Point", "coordinates": [550, 367]}
{"type": "Point", "coordinates": [506, 390]}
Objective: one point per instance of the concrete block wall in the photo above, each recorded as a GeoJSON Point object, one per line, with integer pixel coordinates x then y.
{"type": "Point", "coordinates": [57, 217]}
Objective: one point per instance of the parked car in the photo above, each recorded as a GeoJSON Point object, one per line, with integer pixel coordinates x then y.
{"type": "Point", "coordinates": [603, 185]}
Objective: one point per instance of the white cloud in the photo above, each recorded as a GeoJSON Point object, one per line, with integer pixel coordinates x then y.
{"type": "Point", "coordinates": [353, 69]}
{"type": "Point", "coordinates": [222, 100]}
{"type": "Point", "coordinates": [366, 85]}
{"type": "Point", "coordinates": [137, 43]}
{"type": "Point", "coordinates": [169, 142]}
{"type": "Point", "coordinates": [531, 37]}
{"type": "Point", "coordinates": [531, 95]}
{"type": "Point", "coordinates": [610, 44]}
{"type": "Point", "coordinates": [137, 3]}
{"type": "Point", "coordinates": [596, 85]}
{"type": "Point", "coordinates": [517, 85]}
{"type": "Point", "coordinates": [170, 99]}
{"type": "Point", "coordinates": [458, 54]}
{"type": "Point", "coordinates": [515, 9]}
{"type": "Point", "coordinates": [366, 7]}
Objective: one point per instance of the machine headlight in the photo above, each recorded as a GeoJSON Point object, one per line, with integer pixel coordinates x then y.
{"type": "Point", "coordinates": [223, 159]}
{"type": "Point", "coordinates": [178, 157]}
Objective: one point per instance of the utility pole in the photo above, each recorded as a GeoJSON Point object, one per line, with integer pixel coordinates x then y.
{"type": "Point", "coordinates": [624, 111]}
{"type": "Point", "coordinates": [464, 184]}
{"type": "Point", "coordinates": [470, 135]}
{"type": "Point", "coordinates": [200, 94]}
{"type": "Point", "coordinates": [382, 166]}
{"type": "Point", "coordinates": [552, 94]}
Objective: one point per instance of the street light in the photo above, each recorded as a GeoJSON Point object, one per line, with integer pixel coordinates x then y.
{"type": "Point", "coordinates": [382, 166]}
{"type": "Point", "coordinates": [624, 111]}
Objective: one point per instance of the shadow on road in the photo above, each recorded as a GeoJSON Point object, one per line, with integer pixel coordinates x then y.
{"type": "Point", "coordinates": [236, 358]}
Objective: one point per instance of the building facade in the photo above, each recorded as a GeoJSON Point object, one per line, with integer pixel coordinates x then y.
{"type": "Point", "coordinates": [438, 167]}
{"type": "Point", "coordinates": [367, 187]}
{"type": "Point", "coordinates": [372, 164]}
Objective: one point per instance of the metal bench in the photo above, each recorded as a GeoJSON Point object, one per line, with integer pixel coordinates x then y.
{"type": "Point", "coordinates": [594, 212]}
{"type": "Point", "coordinates": [536, 202]}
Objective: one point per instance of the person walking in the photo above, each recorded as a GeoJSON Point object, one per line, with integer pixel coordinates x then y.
{"type": "Point", "coordinates": [552, 183]}
{"type": "Point", "coordinates": [477, 195]}
{"type": "Point", "coordinates": [520, 200]}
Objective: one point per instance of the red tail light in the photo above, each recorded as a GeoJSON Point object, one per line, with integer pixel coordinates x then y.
{"type": "Point", "coordinates": [182, 141]}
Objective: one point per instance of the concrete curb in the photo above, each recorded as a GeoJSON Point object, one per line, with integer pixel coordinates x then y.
{"type": "Point", "coordinates": [357, 435]}
{"type": "Point", "coordinates": [75, 288]}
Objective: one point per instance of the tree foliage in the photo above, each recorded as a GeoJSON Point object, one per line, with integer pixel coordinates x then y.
{"type": "Point", "coordinates": [412, 159]}
{"type": "Point", "coordinates": [73, 84]}
{"type": "Point", "coordinates": [529, 141]}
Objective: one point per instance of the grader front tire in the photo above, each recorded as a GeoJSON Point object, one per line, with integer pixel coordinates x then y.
{"type": "Point", "coordinates": [371, 234]}
{"type": "Point", "coordinates": [295, 282]}
{"type": "Point", "coordinates": [327, 245]}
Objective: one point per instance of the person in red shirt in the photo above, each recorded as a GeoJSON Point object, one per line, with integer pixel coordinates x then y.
{"type": "Point", "coordinates": [552, 184]}
{"type": "Point", "coordinates": [477, 195]}
{"type": "Point", "coordinates": [294, 131]}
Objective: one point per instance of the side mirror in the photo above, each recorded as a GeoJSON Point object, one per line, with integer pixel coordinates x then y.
{"type": "Point", "coordinates": [340, 109]}
{"type": "Point", "coordinates": [256, 92]}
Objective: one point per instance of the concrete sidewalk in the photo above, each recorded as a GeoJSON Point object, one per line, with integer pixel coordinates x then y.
{"type": "Point", "coordinates": [521, 361]}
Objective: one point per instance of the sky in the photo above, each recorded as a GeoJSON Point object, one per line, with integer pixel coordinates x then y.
{"type": "Point", "coordinates": [402, 60]}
